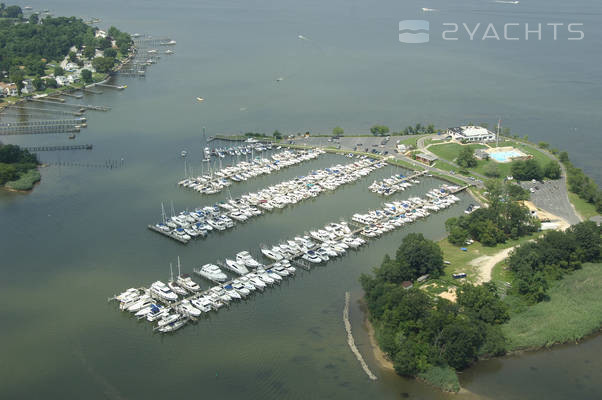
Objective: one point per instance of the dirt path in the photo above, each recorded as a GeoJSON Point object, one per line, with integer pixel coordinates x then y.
{"type": "Point", "coordinates": [485, 264]}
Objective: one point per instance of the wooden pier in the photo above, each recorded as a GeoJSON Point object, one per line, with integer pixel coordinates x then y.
{"type": "Point", "coordinates": [46, 110]}
{"type": "Point", "coordinates": [36, 149]}
{"type": "Point", "coordinates": [79, 106]}
{"type": "Point", "coordinates": [41, 127]}
{"type": "Point", "coordinates": [111, 86]}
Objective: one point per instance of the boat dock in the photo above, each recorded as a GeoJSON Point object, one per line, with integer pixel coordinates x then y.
{"type": "Point", "coordinates": [111, 86]}
{"type": "Point", "coordinates": [45, 110]}
{"type": "Point", "coordinates": [389, 220]}
{"type": "Point", "coordinates": [43, 126]}
{"type": "Point", "coordinates": [59, 148]}
{"type": "Point", "coordinates": [79, 106]}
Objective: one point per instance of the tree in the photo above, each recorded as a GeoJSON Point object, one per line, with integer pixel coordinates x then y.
{"type": "Point", "coordinates": [89, 52]}
{"type": "Point", "coordinates": [277, 135]}
{"type": "Point", "coordinates": [527, 170]}
{"type": "Point", "coordinates": [420, 256]}
{"type": "Point", "coordinates": [110, 52]}
{"type": "Point", "coordinates": [563, 157]}
{"type": "Point", "coordinates": [103, 64]}
{"type": "Point", "coordinates": [16, 75]}
{"type": "Point", "coordinates": [38, 84]}
{"type": "Point", "coordinates": [379, 130]}
{"type": "Point", "coordinates": [338, 131]}
{"type": "Point", "coordinates": [492, 170]}
{"type": "Point", "coordinates": [103, 43]}
{"type": "Point", "coordinates": [87, 76]}
{"type": "Point", "coordinates": [543, 145]}
{"type": "Point", "coordinates": [552, 170]}
{"type": "Point", "coordinates": [466, 158]}
{"type": "Point", "coordinates": [51, 83]}
{"type": "Point", "coordinates": [58, 71]}
{"type": "Point", "coordinates": [7, 173]}
{"type": "Point", "coordinates": [34, 19]}
{"type": "Point", "coordinates": [72, 56]}
{"type": "Point", "coordinates": [483, 302]}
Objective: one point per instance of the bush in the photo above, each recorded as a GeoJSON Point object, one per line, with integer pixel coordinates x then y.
{"type": "Point", "coordinates": [443, 377]}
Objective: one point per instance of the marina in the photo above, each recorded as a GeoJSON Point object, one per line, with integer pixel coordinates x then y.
{"type": "Point", "coordinates": [197, 224]}
{"type": "Point", "coordinates": [171, 311]}
{"type": "Point", "coordinates": [216, 181]}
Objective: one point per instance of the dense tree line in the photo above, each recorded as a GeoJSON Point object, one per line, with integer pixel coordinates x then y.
{"type": "Point", "coordinates": [13, 161]}
{"type": "Point", "coordinates": [581, 184]}
{"type": "Point", "coordinates": [535, 264]}
{"type": "Point", "coordinates": [419, 129]}
{"type": "Point", "coordinates": [418, 331]}
{"type": "Point", "coordinates": [28, 44]}
{"type": "Point", "coordinates": [526, 170]}
{"type": "Point", "coordinates": [505, 218]}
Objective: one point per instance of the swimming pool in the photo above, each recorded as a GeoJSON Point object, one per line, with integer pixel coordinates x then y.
{"type": "Point", "coordinates": [505, 156]}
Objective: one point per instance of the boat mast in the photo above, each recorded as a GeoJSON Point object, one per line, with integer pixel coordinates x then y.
{"type": "Point", "coordinates": [497, 136]}
{"type": "Point", "coordinates": [163, 213]}
{"type": "Point", "coordinates": [179, 267]}
{"type": "Point", "coordinates": [171, 272]}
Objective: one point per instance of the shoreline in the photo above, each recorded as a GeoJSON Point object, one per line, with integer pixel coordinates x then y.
{"type": "Point", "coordinates": [379, 356]}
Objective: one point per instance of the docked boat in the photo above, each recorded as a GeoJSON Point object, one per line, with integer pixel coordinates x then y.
{"type": "Point", "coordinates": [186, 308]}
{"type": "Point", "coordinates": [272, 254]}
{"type": "Point", "coordinates": [246, 259]}
{"type": "Point", "coordinates": [211, 272]}
{"type": "Point", "coordinates": [236, 267]}
{"type": "Point", "coordinates": [161, 290]}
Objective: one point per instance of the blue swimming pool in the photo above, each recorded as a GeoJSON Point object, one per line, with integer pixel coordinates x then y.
{"type": "Point", "coordinates": [505, 156]}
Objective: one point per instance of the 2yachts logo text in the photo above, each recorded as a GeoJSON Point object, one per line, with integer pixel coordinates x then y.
{"type": "Point", "coordinates": [418, 31]}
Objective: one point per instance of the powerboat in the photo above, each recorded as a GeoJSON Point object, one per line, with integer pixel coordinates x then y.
{"type": "Point", "coordinates": [272, 254]}
{"type": "Point", "coordinates": [161, 290]}
{"type": "Point", "coordinates": [245, 258]}
{"type": "Point", "coordinates": [236, 267]}
{"type": "Point", "coordinates": [187, 283]}
{"type": "Point", "coordinates": [211, 272]}
{"type": "Point", "coordinates": [188, 309]}
{"type": "Point", "coordinates": [202, 303]}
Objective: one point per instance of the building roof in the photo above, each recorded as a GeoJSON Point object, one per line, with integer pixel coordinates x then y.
{"type": "Point", "coordinates": [428, 157]}
{"type": "Point", "coordinates": [472, 131]}
{"type": "Point", "coordinates": [406, 284]}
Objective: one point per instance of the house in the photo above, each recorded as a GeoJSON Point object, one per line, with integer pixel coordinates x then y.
{"type": "Point", "coordinates": [61, 80]}
{"type": "Point", "coordinates": [427, 159]}
{"type": "Point", "coordinates": [471, 133]}
{"type": "Point", "coordinates": [407, 285]}
{"type": "Point", "coordinates": [27, 87]}
{"type": "Point", "coordinates": [100, 33]}
{"type": "Point", "coordinates": [8, 89]}
{"type": "Point", "coordinates": [402, 148]}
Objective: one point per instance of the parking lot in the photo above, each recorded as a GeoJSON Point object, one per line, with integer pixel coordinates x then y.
{"type": "Point", "coordinates": [552, 197]}
{"type": "Point", "coordinates": [364, 143]}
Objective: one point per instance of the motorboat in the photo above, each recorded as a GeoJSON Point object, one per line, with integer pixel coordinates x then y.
{"type": "Point", "coordinates": [272, 254]}
{"type": "Point", "coordinates": [241, 288]}
{"type": "Point", "coordinates": [211, 272]}
{"type": "Point", "coordinates": [202, 303]}
{"type": "Point", "coordinates": [187, 283]}
{"type": "Point", "coordinates": [236, 267]}
{"type": "Point", "coordinates": [161, 290]}
{"type": "Point", "coordinates": [173, 326]}
{"type": "Point", "coordinates": [168, 319]}
{"type": "Point", "coordinates": [245, 258]}
{"type": "Point", "coordinates": [186, 308]}
{"type": "Point", "coordinates": [233, 293]}
{"type": "Point", "coordinates": [256, 281]}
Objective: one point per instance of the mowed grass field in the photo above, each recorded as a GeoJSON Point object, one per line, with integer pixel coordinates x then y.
{"type": "Point", "coordinates": [574, 310]}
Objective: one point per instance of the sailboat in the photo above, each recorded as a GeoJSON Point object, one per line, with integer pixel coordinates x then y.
{"type": "Point", "coordinates": [173, 286]}
{"type": "Point", "coordinates": [186, 281]}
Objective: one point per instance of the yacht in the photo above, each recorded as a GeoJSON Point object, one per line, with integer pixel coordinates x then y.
{"type": "Point", "coordinates": [187, 283]}
{"type": "Point", "coordinates": [236, 267]}
{"type": "Point", "coordinates": [245, 258]}
{"type": "Point", "coordinates": [168, 319]}
{"type": "Point", "coordinates": [173, 326]}
{"type": "Point", "coordinates": [272, 254]}
{"type": "Point", "coordinates": [233, 293]}
{"type": "Point", "coordinates": [202, 303]}
{"type": "Point", "coordinates": [176, 288]}
{"type": "Point", "coordinates": [312, 257]}
{"type": "Point", "coordinates": [188, 309]}
{"type": "Point", "coordinates": [161, 290]}
{"type": "Point", "coordinates": [241, 288]}
{"type": "Point", "coordinates": [156, 312]}
{"type": "Point", "coordinates": [211, 272]}
{"type": "Point", "coordinates": [256, 281]}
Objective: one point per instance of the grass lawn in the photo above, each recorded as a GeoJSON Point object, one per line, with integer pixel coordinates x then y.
{"type": "Point", "coordinates": [574, 310]}
{"type": "Point", "coordinates": [585, 209]}
{"type": "Point", "coordinates": [412, 140]}
{"type": "Point", "coordinates": [449, 151]}
{"type": "Point", "coordinates": [460, 259]}
{"type": "Point", "coordinates": [26, 180]}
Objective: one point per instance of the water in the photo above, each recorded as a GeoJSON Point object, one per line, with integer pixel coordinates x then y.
{"type": "Point", "coordinates": [504, 156]}
{"type": "Point", "coordinates": [80, 236]}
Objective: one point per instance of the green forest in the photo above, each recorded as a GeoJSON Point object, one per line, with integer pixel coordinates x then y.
{"type": "Point", "coordinates": [15, 161]}
{"type": "Point", "coordinates": [27, 46]}
{"type": "Point", "coordinates": [430, 337]}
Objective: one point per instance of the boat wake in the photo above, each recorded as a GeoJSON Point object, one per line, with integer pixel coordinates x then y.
{"type": "Point", "coordinates": [506, 2]}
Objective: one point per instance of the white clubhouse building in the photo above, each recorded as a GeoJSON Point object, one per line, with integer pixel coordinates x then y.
{"type": "Point", "coordinates": [471, 134]}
